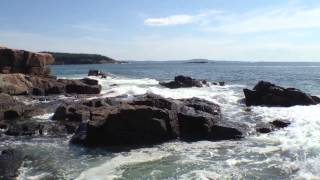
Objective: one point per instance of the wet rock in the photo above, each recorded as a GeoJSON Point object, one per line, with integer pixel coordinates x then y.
{"type": "Point", "coordinates": [25, 62]}
{"type": "Point", "coordinates": [80, 86]}
{"type": "Point", "coordinates": [95, 72]}
{"type": "Point", "coordinates": [75, 113]}
{"type": "Point", "coordinates": [10, 162]}
{"type": "Point", "coordinates": [183, 82]}
{"type": "Point", "coordinates": [146, 119]}
{"type": "Point", "coordinates": [280, 123]}
{"type": "Point", "coordinates": [24, 129]}
{"type": "Point", "coordinates": [272, 126]}
{"type": "Point", "coordinates": [268, 94]}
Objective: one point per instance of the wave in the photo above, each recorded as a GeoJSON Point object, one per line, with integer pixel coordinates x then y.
{"type": "Point", "coordinates": [292, 152]}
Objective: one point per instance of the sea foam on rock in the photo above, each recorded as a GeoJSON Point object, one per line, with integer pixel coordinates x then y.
{"type": "Point", "coordinates": [268, 94]}
{"type": "Point", "coordinates": [145, 120]}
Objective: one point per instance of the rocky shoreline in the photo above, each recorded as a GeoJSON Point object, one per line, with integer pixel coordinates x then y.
{"type": "Point", "coordinates": [147, 119]}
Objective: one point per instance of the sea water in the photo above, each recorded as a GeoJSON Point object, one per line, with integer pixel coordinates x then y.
{"type": "Point", "coordinates": [290, 153]}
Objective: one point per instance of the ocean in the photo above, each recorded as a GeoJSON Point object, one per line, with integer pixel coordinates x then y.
{"type": "Point", "coordinates": [290, 153]}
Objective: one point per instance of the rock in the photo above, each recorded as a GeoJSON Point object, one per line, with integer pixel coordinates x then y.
{"type": "Point", "coordinates": [20, 84]}
{"type": "Point", "coordinates": [75, 113]}
{"type": "Point", "coordinates": [267, 94]}
{"type": "Point", "coordinates": [280, 123]}
{"type": "Point", "coordinates": [15, 84]}
{"type": "Point", "coordinates": [80, 86]}
{"type": "Point", "coordinates": [25, 62]}
{"type": "Point", "coordinates": [145, 120]}
{"type": "Point", "coordinates": [183, 82]}
{"type": "Point", "coordinates": [95, 72]}
{"type": "Point", "coordinates": [33, 128]}
{"type": "Point", "coordinates": [10, 109]}
{"type": "Point", "coordinates": [10, 162]}
{"type": "Point", "coordinates": [24, 129]}
{"type": "Point", "coordinates": [271, 126]}
{"type": "Point", "coordinates": [89, 81]}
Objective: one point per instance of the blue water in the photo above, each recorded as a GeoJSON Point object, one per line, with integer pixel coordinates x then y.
{"type": "Point", "coordinates": [293, 152]}
{"type": "Point", "coordinates": [305, 76]}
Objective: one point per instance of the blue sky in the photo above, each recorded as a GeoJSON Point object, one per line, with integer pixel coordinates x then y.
{"type": "Point", "coordinates": [251, 30]}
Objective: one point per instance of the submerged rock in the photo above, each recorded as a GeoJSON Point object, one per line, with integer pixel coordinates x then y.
{"type": "Point", "coordinates": [147, 119]}
{"type": "Point", "coordinates": [272, 126]}
{"type": "Point", "coordinates": [268, 94]}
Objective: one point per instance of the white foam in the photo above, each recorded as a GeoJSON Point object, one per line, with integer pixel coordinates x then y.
{"type": "Point", "coordinates": [112, 168]}
{"type": "Point", "coordinates": [44, 117]}
{"type": "Point", "coordinates": [294, 150]}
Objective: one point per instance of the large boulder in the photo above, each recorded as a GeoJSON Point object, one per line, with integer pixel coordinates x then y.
{"type": "Point", "coordinates": [268, 94]}
{"type": "Point", "coordinates": [147, 119]}
{"type": "Point", "coordinates": [183, 82]}
{"type": "Point", "coordinates": [25, 62]}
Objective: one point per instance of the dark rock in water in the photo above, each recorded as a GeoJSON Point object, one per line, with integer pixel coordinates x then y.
{"type": "Point", "coordinates": [81, 86]}
{"type": "Point", "coordinates": [145, 120]}
{"type": "Point", "coordinates": [183, 82]}
{"type": "Point", "coordinates": [89, 81]}
{"type": "Point", "coordinates": [267, 94]}
{"type": "Point", "coordinates": [271, 126]}
{"type": "Point", "coordinates": [10, 162]}
{"type": "Point", "coordinates": [280, 123]}
{"type": "Point", "coordinates": [264, 128]}
{"type": "Point", "coordinates": [24, 129]}
{"type": "Point", "coordinates": [25, 62]}
{"type": "Point", "coordinates": [33, 128]}
{"type": "Point", "coordinates": [95, 72]}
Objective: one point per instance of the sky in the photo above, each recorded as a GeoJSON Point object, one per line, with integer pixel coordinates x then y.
{"type": "Point", "coordinates": [241, 30]}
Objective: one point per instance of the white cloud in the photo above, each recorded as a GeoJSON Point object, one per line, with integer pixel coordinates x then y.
{"type": "Point", "coordinates": [289, 17]}
{"type": "Point", "coordinates": [277, 19]}
{"type": "Point", "coordinates": [179, 19]}
{"type": "Point", "coordinates": [170, 20]}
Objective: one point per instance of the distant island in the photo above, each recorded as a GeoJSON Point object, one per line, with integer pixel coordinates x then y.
{"type": "Point", "coordinates": [198, 61]}
{"type": "Point", "coordinates": [74, 58]}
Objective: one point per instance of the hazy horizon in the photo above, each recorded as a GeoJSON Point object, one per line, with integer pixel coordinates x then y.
{"type": "Point", "coordinates": [251, 31]}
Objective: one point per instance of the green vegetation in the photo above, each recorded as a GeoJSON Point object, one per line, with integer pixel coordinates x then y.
{"type": "Point", "coordinates": [71, 58]}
